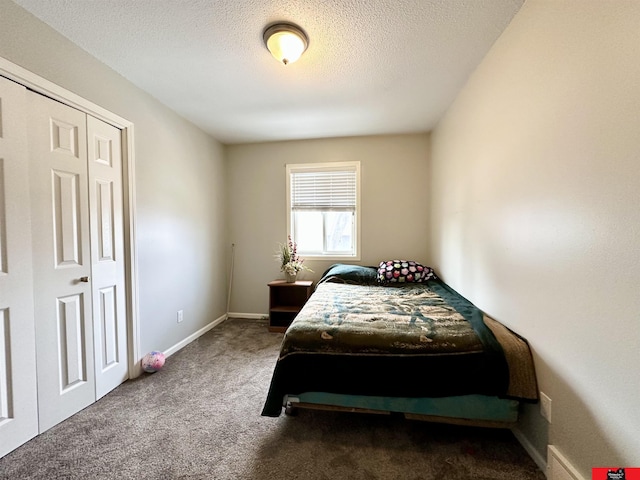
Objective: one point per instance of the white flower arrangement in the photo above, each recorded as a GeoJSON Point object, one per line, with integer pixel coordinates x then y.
{"type": "Point", "coordinates": [290, 262]}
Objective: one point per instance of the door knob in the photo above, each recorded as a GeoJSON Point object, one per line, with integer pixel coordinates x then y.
{"type": "Point", "coordinates": [84, 279]}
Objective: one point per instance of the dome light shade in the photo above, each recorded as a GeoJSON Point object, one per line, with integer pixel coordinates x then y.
{"type": "Point", "coordinates": [285, 41]}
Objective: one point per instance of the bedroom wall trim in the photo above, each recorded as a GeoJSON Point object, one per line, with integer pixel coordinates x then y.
{"type": "Point", "coordinates": [531, 450]}
{"type": "Point", "coordinates": [47, 88]}
{"type": "Point", "coordinates": [559, 467]}
{"type": "Point", "coordinates": [250, 316]}
{"type": "Point", "coordinates": [183, 343]}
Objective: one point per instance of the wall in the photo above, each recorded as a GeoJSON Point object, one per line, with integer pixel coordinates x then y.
{"type": "Point", "coordinates": [179, 180]}
{"type": "Point", "coordinates": [393, 199]}
{"type": "Point", "coordinates": [535, 194]}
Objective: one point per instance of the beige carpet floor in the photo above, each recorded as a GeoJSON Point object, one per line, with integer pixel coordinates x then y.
{"type": "Point", "coordinates": [199, 418]}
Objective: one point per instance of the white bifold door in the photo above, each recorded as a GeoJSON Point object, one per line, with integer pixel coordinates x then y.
{"type": "Point", "coordinates": [18, 397]}
{"type": "Point", "coordinates": [63, 328]}
{"type": "Point", "coordinates": [78, 256]}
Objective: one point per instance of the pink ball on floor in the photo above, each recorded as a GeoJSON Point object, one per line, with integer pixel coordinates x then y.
{"type": "Point", "coordinates": [152, 361]}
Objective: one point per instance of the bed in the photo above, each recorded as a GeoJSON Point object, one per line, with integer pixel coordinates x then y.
{"type": "Point", "coordinates": [409, 345]}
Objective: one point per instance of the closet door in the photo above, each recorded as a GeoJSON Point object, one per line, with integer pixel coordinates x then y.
{"type": "Point", "coordinates": [107, 255]}
{"type": "Point", "coordinates": [18, 398]}
{"type": "Point", "coordinates": [62, 262]}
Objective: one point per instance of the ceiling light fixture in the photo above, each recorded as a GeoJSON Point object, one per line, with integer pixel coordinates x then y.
{"type": "Point", "coordinates": [285, 41]}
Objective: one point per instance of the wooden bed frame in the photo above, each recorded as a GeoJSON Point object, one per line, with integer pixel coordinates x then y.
{"type": "Point", "coordinates": [468, 410]}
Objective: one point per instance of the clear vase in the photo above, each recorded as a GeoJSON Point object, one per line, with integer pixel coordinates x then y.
{"type": "Point", "coordinates": [290, 277]}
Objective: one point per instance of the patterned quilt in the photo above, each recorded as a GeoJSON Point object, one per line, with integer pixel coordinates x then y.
{"type": "Point", "coordinates": [367, 320]}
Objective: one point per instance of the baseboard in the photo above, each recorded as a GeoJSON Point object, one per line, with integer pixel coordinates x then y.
{"type": "Point", "coordinates": [531, 450]}
{"type": "Point", "coordinates": [559, 466]}
{"type": "Point", "coordinates": [250, 316]}
{"type": "Point", "coordinates": [183, 343]}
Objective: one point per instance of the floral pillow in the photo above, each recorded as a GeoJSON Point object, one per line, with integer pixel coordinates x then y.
{"type": "Point", "coordinates": [404, 271]}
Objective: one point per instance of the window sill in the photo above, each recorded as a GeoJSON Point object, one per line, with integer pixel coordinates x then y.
{"type": "Point", "coordinates": [343, 258]}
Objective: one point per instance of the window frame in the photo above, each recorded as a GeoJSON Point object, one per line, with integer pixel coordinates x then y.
{"type": "Point", "coordinates": [328, 166]}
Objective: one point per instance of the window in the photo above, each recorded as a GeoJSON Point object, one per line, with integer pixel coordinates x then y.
{"type": "Point", "coordinates": [322, 208]}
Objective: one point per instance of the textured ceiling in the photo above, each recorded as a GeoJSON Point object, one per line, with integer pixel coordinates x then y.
{"type": "Point", "coordinates": [372, 66]}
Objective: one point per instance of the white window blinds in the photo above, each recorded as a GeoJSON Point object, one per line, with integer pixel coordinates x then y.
{"type": "Point", "coordinates": [324, 190]}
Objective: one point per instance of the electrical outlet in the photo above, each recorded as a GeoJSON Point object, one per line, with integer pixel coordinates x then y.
{"type": "Point", "coordinates": [545, 406]}
{"type": "Point", "coordinates": [180, 316]}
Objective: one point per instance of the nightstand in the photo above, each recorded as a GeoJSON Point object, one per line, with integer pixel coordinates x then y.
{"type": "Point", "coordinates": [285, 301]}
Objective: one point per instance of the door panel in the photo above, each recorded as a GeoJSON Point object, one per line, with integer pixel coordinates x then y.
{"type": "Point", "coordinates": [18, 397]}
{"type": "Point", "coordinates": [62, 265]}
{"type": "Point", "coordinates": [72, 358]}
{"type": "Point", "coordinates": [6, 402]}
{"type": "Point", "coordinates": [66, 212]}
{"type": "Point", "coordinates": [108, 328]}
{"type": "Point", "coordinates": [107, 255]}
{"type": "Point", "coordinates": [3, 216]}
{"type": "Point", "coordinates": [104, 200]}
{"type": "Point", "coordinates": [64, 137]}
